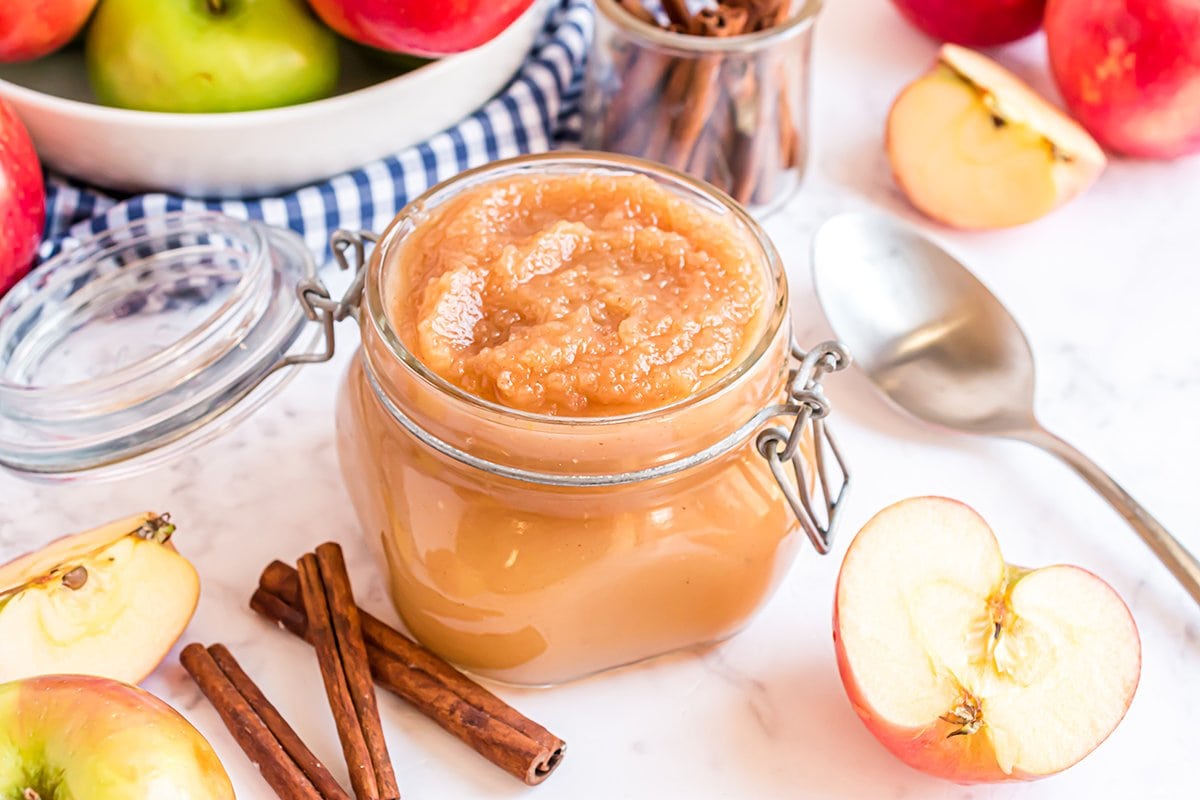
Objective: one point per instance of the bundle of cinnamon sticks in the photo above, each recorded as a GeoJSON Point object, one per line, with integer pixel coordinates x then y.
{"type": "Point", "coordinates": [731, 117]}
{"type": "Point", "coordinates": [355, 651]}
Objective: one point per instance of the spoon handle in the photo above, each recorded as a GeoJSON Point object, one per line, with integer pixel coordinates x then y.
{"type": "Point", "coordinates": [1170, 552]}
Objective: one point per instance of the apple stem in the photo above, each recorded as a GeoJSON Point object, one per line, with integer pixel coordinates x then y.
{"type": "Point", "coordinates": [30, 794]}
{"type": "Point", "coordinates": [158, 528]}
{"type": "Point", "coordinates": [216, 6]}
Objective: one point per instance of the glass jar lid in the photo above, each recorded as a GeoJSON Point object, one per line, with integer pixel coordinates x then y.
{"type": "Point", "coordinates": [147, 339]}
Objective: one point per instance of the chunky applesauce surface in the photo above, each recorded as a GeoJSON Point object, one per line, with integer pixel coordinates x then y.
{"type": "Point", "coordinates": [577, 295]}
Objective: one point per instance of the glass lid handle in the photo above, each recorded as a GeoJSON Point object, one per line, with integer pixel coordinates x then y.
{"type": "Point", "coordinates": [782, 447]}
{"type": "Point", "coordinates": [320, 307]}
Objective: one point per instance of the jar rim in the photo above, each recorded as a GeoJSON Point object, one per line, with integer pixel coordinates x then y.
{"type": "Point", "coordinates": [797, 24]}
{"type": "Point", "coordinates": [376, 314]}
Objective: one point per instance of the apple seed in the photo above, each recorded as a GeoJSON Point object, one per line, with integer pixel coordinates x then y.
{"type": "Point", "coordinates": [76, 578]}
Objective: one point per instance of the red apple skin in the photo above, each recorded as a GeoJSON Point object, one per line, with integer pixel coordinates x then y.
{"type": "Point", "coordinates": [33, 28]}
{"type": "Point", "coordinates": [22, 199]}
{"type": "Point", "coordinates": [1129, 71]}
{"type": "Point", "coordinates": [975, 23]}
{"type": "Point", "coordinates": [427, 28]}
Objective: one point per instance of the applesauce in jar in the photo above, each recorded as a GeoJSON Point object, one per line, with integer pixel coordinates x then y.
{"type": "Point", "coordinates": [549, 429]}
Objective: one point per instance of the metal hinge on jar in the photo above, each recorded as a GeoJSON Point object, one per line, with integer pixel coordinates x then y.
{"type": "Point", "coordinates": [781, 446]}
{"type": "Point", "coordinates": [316, 301]}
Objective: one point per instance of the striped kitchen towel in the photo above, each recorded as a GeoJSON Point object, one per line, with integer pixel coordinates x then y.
{"type": "Point", "coordinates": [538, 110]}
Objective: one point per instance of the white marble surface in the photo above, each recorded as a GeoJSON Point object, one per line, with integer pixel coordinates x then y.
{"type": "Point", "coordinates": [1107, 290]}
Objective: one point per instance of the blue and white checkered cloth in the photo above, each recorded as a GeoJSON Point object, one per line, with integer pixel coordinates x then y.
{"type": "Point", "coordinates": [537, 111]}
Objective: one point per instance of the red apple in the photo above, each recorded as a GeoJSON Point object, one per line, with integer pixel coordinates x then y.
{"type": "Point", "coordinates": [971, 669]}
{"type": "Point", "coordinates": [34, 28]}
{"type": "Point", "coordinates": [1129, 70]}
{"type": "Point", "coordinates": [978, 23]}
{"type": "Point", "coordinates": [420, 27]}
{"type": "Point", "coordinates": [22, 199]}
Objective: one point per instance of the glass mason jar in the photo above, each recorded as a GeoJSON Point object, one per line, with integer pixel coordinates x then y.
{"type": "Point", "coordinates": [535, 549]}
{"type": "Point", "coordinates": [729, 107]}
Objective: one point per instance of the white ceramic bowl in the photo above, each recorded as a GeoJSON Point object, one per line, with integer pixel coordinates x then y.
{"type": "Point", "coordinates": [256, 152]}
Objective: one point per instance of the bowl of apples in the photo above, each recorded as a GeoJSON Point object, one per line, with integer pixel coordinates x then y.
{"type": "Point", "coordinates": [241, 98]}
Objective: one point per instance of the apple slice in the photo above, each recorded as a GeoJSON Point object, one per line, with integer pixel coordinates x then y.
{"type": "Point", "coordinates": [109, 602]}
{"type": "Point", "coordinates": [974, 147]}
{"type": "Point", "coordinates": [968, 668]}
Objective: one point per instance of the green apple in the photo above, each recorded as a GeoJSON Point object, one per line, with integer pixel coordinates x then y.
{"type": "Point", "coordinates": [71, 737]}
{"type": "Point", "coordinates": [209, 55]}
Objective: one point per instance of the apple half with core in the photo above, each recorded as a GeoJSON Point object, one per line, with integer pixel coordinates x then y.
{"type": "Point", "coordinates": [77, 737]}
{"type": "Point", "coordinates": [971, 669]}
{"type": "Point", "coordinates": [108, 602]}
{"type": "Point", "coordinates": [974, 147]}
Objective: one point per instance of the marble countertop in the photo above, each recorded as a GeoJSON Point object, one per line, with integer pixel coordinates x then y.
{"type": "Point", "coordinates": [1107, 290]}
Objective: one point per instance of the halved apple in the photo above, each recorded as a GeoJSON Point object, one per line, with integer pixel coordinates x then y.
{"type": "Point", "coordinates": [968, 668]}
{"type": "Point", "coordinates": [108, 602]}
{"type": "Point", "coordinates": [974, 147]}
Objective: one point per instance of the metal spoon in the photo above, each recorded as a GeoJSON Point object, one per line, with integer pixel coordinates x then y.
{"type": "Point", "coordinates": [943, 348]}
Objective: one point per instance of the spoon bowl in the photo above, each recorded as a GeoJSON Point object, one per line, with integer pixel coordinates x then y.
{"type": "Point", "coordinates": [942, 347]}
{"type": "Point", "coordinates": [923, 328]}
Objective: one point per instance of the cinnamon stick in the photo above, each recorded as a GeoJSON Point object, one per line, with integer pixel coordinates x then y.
{"type": "Point", "coordinates": [337, 637]}
{"type": "Point", "coordinates": [462, 707]}
{"type": "Point", "coordinates": [286, 764]}
{"type": "Point", "coordinates": [638, 10]}
{"type": "Point", "coordinates": [677, 12]}
{"type": "Point", "coordinates": [700, 94]}
{"type": "Point", "coordinates": [667, 107]}
{"type": "Point", "coordinates": [642, 81]}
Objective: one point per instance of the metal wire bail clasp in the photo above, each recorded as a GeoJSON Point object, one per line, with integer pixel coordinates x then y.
{"type": "Point", "coordinates": [780, 447]}
{"type": "Point", "coordinates": [320, 307]}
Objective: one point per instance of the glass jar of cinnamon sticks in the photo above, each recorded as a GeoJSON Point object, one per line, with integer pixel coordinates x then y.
{"type": "Point", "coordinates": [719, 91]}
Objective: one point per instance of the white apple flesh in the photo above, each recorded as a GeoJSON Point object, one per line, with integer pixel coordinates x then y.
{"type": "Point", "coordinates": [74, 737]}
{"type": "Point", "coordinates": [971, 669]}
{"type": "Point", "coordinates": [974, 147]}
{"type": "Point", "coordinates": [107, 602]}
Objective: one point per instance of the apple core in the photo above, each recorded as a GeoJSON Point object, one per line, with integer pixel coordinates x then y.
{"type": "Point", "coordinates": [968, 668]}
